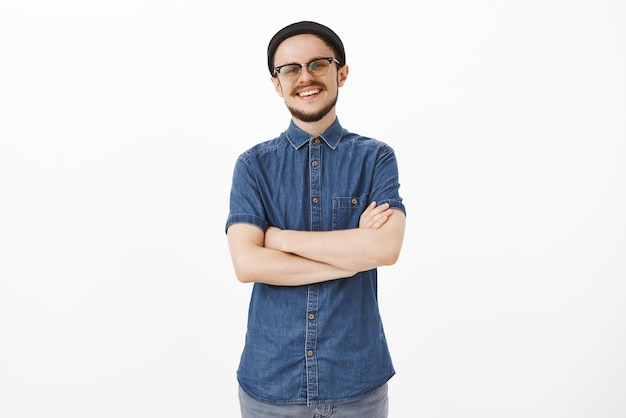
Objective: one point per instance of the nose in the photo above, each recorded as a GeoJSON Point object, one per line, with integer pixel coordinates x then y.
{"type": "Point", "coordinates": [305, 73]}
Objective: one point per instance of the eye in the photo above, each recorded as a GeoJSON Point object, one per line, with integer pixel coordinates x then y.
{"type": "Point", "coordinates": [318, 65]}
{"type": "Point", "coordinates": [290, 69]}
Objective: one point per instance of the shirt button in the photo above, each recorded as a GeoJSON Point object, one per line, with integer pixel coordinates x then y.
{"type": "Point", "coordinates": [317, 141]}
{"type": "Point", "coordinates": [354, 201]}
{"type": "Point", "coordinates": [315, 200]}
{"type": "Point", "coordinates": [314, 163]}
{"type": "Point", "coordinates": [311, 316]}
{"type": "Point", "coordinates": [310, 353]}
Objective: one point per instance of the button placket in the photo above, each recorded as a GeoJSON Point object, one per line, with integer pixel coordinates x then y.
{"type": "Point", "coordinates": [315, 183]}
{"type": "Point", "coordinates": [310, 343]}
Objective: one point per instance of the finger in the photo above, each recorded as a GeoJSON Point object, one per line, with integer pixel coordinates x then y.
{"type": "Point", "coordinates": [370, 207]}
{"type": "Point", "coordinates": [382, 208]}
{"type": "Point", "coordinates": [364, 219]}
{"type": "Point", "coordinates": [380, 219]}
{"type": "Point", "coordinates": [379, 209]}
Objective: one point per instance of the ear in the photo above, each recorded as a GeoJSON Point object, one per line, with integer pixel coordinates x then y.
{"type": "Point", "coordinates": [342, 75]}
{"type": "Point", "coordinates": [277, 86]}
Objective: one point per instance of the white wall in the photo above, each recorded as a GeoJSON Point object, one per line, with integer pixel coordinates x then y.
{"type": "Point", "coordinates": [119, 125]}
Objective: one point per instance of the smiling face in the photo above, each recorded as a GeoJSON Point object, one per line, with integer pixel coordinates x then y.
{"type": "Point", "coordinates": [310, 99]}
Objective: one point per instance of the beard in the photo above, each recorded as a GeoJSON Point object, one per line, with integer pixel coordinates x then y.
{"type": "Point", "coordinates": [314, 117]}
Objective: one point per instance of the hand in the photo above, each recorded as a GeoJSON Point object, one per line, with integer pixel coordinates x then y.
{"type": "Point", "coordinates": [375, 216]}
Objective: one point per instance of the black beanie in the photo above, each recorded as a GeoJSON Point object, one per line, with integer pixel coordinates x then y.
{"type": "Point", "coordinates": [300, 28]}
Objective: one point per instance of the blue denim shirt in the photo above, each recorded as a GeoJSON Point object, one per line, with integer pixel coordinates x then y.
{"type": "Point", "coordinates": [320, 343]}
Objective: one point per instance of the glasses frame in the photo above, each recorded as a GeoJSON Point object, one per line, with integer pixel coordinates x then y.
{"type": "Point", "coordinates": [308, 65]}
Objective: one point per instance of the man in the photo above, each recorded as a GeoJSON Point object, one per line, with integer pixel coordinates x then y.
{"type": "Point", "coordinates": [313, 213]}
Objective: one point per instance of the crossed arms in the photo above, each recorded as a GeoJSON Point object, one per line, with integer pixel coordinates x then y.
{"type": "Point", "coordinates": [293, 258]}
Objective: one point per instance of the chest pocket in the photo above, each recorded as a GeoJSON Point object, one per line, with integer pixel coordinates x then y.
{"type": "Point", "coordinates": [347, 210]}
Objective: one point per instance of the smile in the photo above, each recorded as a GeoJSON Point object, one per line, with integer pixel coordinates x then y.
{"type": "Point", "coordinates": [308, 93]}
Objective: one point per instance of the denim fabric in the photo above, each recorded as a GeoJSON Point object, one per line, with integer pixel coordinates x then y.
{"type": "Point", "coordinates": [322, 343]}
{"type": "Point", "coordinates": [374, 405]}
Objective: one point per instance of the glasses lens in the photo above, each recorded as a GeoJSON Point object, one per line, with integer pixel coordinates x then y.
{"type": "Point", "coordinates": [319, 67]}
{"type": "Point", "coordinates": [289, 71]}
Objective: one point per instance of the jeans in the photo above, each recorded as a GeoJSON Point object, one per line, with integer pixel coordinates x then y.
{"type": "Point", "coordinates": [374, 405]}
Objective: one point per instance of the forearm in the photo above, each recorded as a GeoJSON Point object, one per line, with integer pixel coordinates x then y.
{"type": "Point", "coordinates": [284, 269]}
{"type": "Point", "coordinates": [254, 263]}
{"type": "Point", "coordinates": [356, 249]}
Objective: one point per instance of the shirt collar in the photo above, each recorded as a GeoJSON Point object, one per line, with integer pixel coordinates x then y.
{"type": "Point", "coordinates": [298, 138]}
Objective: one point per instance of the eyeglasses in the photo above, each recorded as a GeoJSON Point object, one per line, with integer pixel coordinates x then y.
{"type": "Point", "coordinates": [318, 67]}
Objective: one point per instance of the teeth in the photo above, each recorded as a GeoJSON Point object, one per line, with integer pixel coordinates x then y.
{"type": "Point", "coordinates": [308, 93]}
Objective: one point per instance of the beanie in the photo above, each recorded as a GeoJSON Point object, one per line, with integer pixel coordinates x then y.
{"type": "Point", "coordinates": [305, 27]}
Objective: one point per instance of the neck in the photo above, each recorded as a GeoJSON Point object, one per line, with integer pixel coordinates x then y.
{"type": "Point", "coordinates": [318, 127]}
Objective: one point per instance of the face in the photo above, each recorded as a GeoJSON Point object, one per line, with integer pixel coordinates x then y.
{"type": "Point", "coordinates": [309, 98]}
